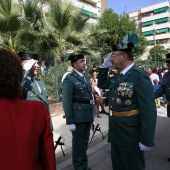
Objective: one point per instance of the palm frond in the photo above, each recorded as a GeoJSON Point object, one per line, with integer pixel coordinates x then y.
{"type": "Point", "coordinates": [10, 23]}
{"type": "Point", "coordinates": [5, 7]}
{"type": "Point", "coordinates": [60, 17]}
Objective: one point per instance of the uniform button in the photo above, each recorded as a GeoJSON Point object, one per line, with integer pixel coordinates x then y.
{"type": "Point", "coordinates": [110, 106]}
{"type": "Point", "coordinates": [112, 98]}
{"type": "Point", "coordinates": [128, 124]}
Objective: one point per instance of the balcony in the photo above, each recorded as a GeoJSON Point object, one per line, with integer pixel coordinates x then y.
{"type": "Point", "coordinates": [90, 1]}
{"type": "Point", "coordinates": [91, 14]}
{"type": "Point", "coordinates": [153, 17]}
{"type": "Point", "coordinates": [158, 36]}
{"type": "Point", "coordinates": [156, 26]}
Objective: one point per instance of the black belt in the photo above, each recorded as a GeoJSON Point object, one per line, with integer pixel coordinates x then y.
{"type": "Point", "coordinates": [83, 101]}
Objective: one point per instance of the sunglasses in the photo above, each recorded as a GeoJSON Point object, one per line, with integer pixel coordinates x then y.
{"type": "Point", "coordinates": [167, 61]}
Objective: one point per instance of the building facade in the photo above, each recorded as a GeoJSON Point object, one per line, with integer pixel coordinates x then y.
{"type": "Point", "coordinates": [104, 5]}
{"type": "Point", "coordinates": [92, 8]}
{"type": "Point", "coordinates": [153, 22]}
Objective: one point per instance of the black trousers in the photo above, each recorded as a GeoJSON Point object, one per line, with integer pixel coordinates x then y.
{"type": "Point", "coordinates": [79, 145]}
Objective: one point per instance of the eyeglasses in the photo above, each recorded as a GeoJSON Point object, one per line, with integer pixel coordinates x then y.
{"type": "Point", "coordinates": [167, 61]}
{"type": "Point", "coordinates": [114, 55]}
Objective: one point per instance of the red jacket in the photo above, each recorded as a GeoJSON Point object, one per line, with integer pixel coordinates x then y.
{"type": "Point", "coordinates": [26, 141]}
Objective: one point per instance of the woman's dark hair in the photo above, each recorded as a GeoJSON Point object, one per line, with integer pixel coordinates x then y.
{"type": "Point", "coordinates": [11, 74]}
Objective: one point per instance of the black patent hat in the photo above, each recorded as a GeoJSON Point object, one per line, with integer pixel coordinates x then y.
{"type": "Point", "coordinates": [168, 55]}
{"type": "Point", "coordinates": [130, 41]}
{"type": "Point", "coordinates": [27, 56]}
{"type": "Point", "coordinates": [75, 57]}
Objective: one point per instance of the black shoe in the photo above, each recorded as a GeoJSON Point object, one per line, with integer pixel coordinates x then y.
{"type": "Point", "coordinates": [102, 111]}
{"type": "Point", "coordinates": [106, 113]}
{"type": "Point", "coordinates": [168, 159]}
{"type": "Point", "coordinates": [98, 116]}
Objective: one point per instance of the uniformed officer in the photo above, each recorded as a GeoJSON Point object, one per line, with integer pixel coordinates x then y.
{"type": "Point", "coordinates": [33, 88]}
{"type": "Point", "coordinates": [165, 87]}
{"type": "Point", "coordinates": [78, 105]}
{"type": "Point", "coordinates": [132, 107]}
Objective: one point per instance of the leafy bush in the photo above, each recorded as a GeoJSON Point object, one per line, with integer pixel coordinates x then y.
{"type": "Point", "coordinates": [54, 84]}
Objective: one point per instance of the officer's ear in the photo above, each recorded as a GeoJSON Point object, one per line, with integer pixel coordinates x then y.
{"type": "Point", "coordinates": [124, 56]}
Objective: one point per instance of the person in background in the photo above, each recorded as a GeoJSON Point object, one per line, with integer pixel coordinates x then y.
{"type": "Point", "coordinates": [132, 107]}
{"type": "Point", "coordinates": [164, 70]}
{"type": "Point", "coordinates": [165, 87]}
{"type": "Point", "coordinates": [160, 75]}
{"type": "Point", "coordinates": [97, 93]}
{"type": "Point", "coordinates": [27, 141]}
{"type": "Point", "coordinates": [112, 72]}
{"type": "Point", "coordinates": [154, 75]}
{"type": "Point", "coordinates": [78, 107]}
{"type": "Point", "coordinates": [149, 72]}
{"type": "Point", "coordinates": [156, 86]}
{"type": "Point", "coordinates": [33, 88]}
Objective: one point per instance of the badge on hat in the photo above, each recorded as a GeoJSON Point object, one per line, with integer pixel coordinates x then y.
{"type": "Point", "coordinates": [130, 41]}
{"type": "Point", "coordinates": [27, 56]}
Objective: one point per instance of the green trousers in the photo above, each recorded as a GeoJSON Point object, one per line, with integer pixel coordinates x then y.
{"type": "Point", "coordinates": [127, 158]}
{"type": "Point", "coordinates": [79, 146]}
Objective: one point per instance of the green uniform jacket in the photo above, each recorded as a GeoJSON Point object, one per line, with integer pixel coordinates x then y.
{"type": "Point", "coordinates": [29, 87]}
{"type": "Point", "coordinates": [131, 91]}
{"type": "Point", "coordinates": [75, 88]}
{"type": "Point", "coordinates": [32, 92]}
{"type": "Point", "coordinates": [165, 87]}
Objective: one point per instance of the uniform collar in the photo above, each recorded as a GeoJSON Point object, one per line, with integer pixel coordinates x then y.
{"type": "Point", "coordinates": [29, 78]}
{"type": "Point", "coordinates": [80, 74]}
{"type": "Point", "coordinates": [127, 69]}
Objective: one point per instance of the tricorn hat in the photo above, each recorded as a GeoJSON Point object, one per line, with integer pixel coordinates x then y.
{"type": "Point", "coordinates": [130, 41]}
{"type": "Point", "coordinates": [168, 55]}
{"type": "Point", "coordinates": [75, 57]}
{"type": "Point", "coordinates": [27, 56]}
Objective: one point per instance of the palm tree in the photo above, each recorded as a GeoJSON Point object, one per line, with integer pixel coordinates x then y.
{"type": "Point", "coordinates": [68, 26]}
{"type": "Point", "coordinates": [35, 35]}
{"type": "Point", "coordinates": [10, 24]}
{"type": "Point", "coordinates": [22, 27]}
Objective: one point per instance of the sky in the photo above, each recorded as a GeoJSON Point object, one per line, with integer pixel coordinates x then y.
{"type": "Point", "coordinates": [119, 6]}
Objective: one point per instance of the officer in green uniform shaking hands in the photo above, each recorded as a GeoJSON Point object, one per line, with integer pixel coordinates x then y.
{"type": "Point", "coordinates": [78, 104]}
{"type": "Point", "coordinates": [33, 88]}
{"type": "Point", "coordinates": [132, 107]}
